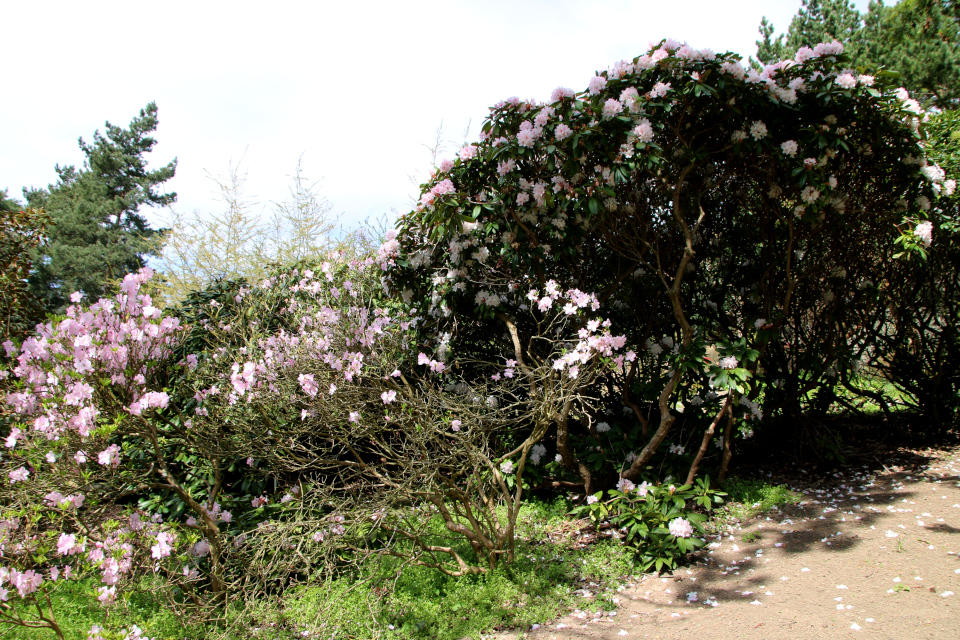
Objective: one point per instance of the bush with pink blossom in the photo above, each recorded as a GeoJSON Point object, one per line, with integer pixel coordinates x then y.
{"type": "Point", "coordinates": [723, 213]}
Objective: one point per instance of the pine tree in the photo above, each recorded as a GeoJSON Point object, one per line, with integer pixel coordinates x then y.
{"type": "Point", "coordinates": [920, 39]}
{"type": "Point", "coordinates": [816, 21]}
{"type": "Point", "coordinates": [98, 234]}
{"type": "Point", "coordinates": [9, 204]}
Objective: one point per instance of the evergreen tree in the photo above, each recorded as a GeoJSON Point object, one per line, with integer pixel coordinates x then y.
{"type": "Point", "coordinates": [9, 204]}
{"type": "Point", "coordinates": [98, 234]}
{"type": "Point", "coordinates": [816, 21]}
{"type": "Point", "coordinates": [920, 39]}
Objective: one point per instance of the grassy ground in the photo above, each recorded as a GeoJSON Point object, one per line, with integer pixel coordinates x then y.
{"type": "Point", "coordinates": [554, 561]}
{"type": "Point", "coordinates": [77, 610]}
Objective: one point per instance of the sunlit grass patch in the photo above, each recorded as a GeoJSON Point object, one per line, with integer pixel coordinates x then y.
{"type": "Point", "coordinates": [749, 497]}
{"type": "Point", "coordinates": [550, 574]}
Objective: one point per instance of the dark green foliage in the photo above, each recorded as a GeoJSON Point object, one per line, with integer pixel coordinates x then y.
{"type": "Point", "coordinates": [98, 234]}
{"type": "Point", "coordinates": [644, 517]}
{"type": "Point", "coordinates": [20, 232]}
{"type": "Point", "coordinates": [920, 39]}
{"type": "Point", "coordinates": [9, 204]}
{"type": "Point", "coordinates": [918, 348]}
{"type": "Point", "coordinates": [943, 138]}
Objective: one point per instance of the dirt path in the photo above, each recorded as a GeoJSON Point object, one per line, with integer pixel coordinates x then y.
{"type": "Point", "coordinates": [868, 553]}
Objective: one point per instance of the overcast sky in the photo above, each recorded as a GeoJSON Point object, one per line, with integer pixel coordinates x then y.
{"type": "Point", "coordinates": [357, 88]}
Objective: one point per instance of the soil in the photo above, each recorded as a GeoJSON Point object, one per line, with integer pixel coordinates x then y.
{"type": "Point", "coordinates": [871, 551]}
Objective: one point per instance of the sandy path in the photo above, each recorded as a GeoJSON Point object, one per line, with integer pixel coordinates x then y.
{"type": "Point", "coordinates": [866, 554]}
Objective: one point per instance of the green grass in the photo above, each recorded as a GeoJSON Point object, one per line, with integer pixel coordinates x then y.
{"type": "Point", "coordinates": [748, 497]}
{"type": "Point", "coordinates": [76, 608]}
{"type": "Point", "coordinates": [390, 600]}
{"type": "Point", "coordinates": [417, 602]}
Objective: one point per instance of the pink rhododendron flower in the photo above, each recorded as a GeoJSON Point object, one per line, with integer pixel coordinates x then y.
{"type": "Point", "coordinates": [924, 231]}
{"type": "Point", "coordinates": [681, 528]}
{"type": "Point", "coordinates": [561, 93]}
{"type": "Point", "coordinates": [729, 362]}
{"type": "Point", "coordinates": [612, 107]}
{"type": "Point", "coordinates": [809, 194]}
{"type": "Point", "coordinates": [803, 54]}
{"type": "Point", "coordinates": [308, 384]}
{"type": "Point", "coordinates": [630, 98]}
{"type": "Point", "coordinates": [154, 399]}
{"type": "Point", "coordinates": [163, 547]}
{"type": "Point", "coordinates": [597, 84]}
{"type": "Point", "coordinates": [26, 582]}
{"type": "Point", "coordinates": [527, 137]}
{"type": "Point", "coordinates": [67, 544]}
{"type": "Point", "coordinates": [19, 474]}
{"type": "Point", "coordinates": [659, 90]}
{"type": "Point", "coordinates": [110, 456]}
{"type": "Point", "coordinates": [388, 397]}
{"type": "Point", "coordinates": [562, 132]}
{"type": "Point", "coordinates": [789, 148]}
{"type": "Point", "coordinates": [834, 48]}
{"type": "Point", "coordinates": [846, 81]}
{"type": "Point", "coordinates": [644, 131]}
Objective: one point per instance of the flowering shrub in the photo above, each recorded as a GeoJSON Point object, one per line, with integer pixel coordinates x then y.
{"type": "Point", "coordinates": [654, 519]}
{"type": "Point", "coordinates": [306, 383]}
{"type": "Point", "coordinates": [716, 211]}
{"type": "Point", "coordinates": [78, 389]}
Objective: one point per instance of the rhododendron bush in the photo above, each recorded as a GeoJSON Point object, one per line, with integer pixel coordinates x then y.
{"type": "Point", "coordinates": [733, 223]}
{"type": "Point", "coordinates": [289, 423]}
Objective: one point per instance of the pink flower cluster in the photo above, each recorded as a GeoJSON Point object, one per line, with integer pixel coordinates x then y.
{"type": "Point", "coordinates": [434, 365]}
{"type": "Point", "coordinates": [443, 187]}
{"type": "Point", "coordinates": [63, 368]}
{"type": "Point", "coordinates": [681, 528]}
{"type": "Point", "coordinates": [595, 338]}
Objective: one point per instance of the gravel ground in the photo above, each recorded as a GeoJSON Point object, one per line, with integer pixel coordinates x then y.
{"type": "Point", "coordinates": [870, 552]}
